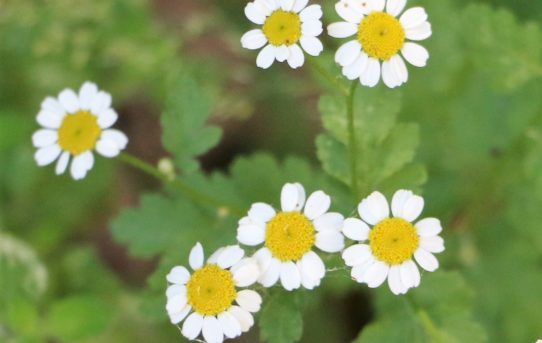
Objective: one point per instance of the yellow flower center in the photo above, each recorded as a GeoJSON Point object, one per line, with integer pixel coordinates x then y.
{"type": "Point", "coordinates": [211, 290]}
{"type": "Point", "coordinates": [289, 236]}
{"type": "Point", "coordinates": [282, 28]}
{"type": "Point", "coordinates": [79, 132]}
{"type": "Point", "coordinates": [381, 35]}
{"type": "Point", "coordinates": [394, 240]}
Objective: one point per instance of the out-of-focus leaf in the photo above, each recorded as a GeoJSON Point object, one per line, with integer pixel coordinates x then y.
{"type": "Point", "coordinates": [280, 320]}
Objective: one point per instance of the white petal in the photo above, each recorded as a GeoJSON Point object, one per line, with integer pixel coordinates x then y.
{"type": "Point", "coordinates": [389, 76]}
{"type": "Point", "coordinates": [292, 197]}
{"type": "Point", "coordinates": [359, 270]}
{"type": "Point", "coordinates": [192, 326]}
{"type": "Point", "coordinates": [414, 273]}
{"type": "Point", "coordinates": [282, 53]}
{"type": "Point", "coordinates": [107, 118]}
{"type": "Point", "coordinates": [175, 290]}
{"type": "Point", "coordinates": [289, 276]}
{"type": "Point", "coordinates": [406, 205]}
{"type": "Point", "coordinates": [49, 119]}
{"type": "Point", "coordinates": [176, 303]}
{"type": "Point", "coordinates": [263, 257]}
{"type": "Point", "coordinates": [356, 229]}
{"type": "Point", "coordinates": [230, 325]}
{"type": "Point", "coordinates": [415, 54]}
{"type": "Point", "coordinates": [400, 68]}
{"type": "Point", "coordinates": [312, 45]}
{"type": "Point", "coordinates": [176, 318]}
{"type": "Point", "coordinates": [246, 272]}
{"type": "Point", "coordinates": [330, 241]}
{"type": "Point", "coordinates": [312, 12]}
{"type": "Point", "coordinates": [47, 155]}
{"type": "Point", "coordinates": [44, 137]}
{"type": "Point", "coordinates": [426, 260]}
{"type": "Point", "coordinates": [395, 7]}
{"type": "Point", "coordinates": [312, 28]}
{"type": "Point", "coordinates": [355, 69]}
{"type": "Point", "coordinates": [255, 13]}
{"type": "Point", "coordinates": [271, 275]}
{"type": "Point", "coordinates": [348, 53]}
{"type": "Point", "coordinates": [81, 164]}
{"type": "Point", "coordinates": [296, 57]}
{"type": "Point", "coordinates": [261, 213]}
{"type": "Point", "coordinates": [371, 75]}
{"type": "Point", "coordinates": [69, 100]}
{"type": "Point", "coordinates": [230, 256]}
{"type": "Point", "coordinates": [101, 102]}
{"type": "Point", "coordinates": [249, 300]}
{"type": "Point", "coordinates": [107, 148]}
{"type": "Point", "coordinates": [86, 95]}
{"type": "Point", "coordinates": [394, 281]}
{"type": "Point", "coordinates": [378, 5]}
{"type": "Point", "coordinates": [313, 266]}
{"type": "Point", "coordinates": [244, 318]}
{"type": "Point", "coordinates": [317, 204]}
{"type": "Point", "coordinates": [348, 13]}
{"type": "Point", "coordinates": [251, 235]}
{"type": "Point", "coordinates": [253, 39]}
{"type": "Point", "coordinates": [342, 29]}
{"type": "Point", "coordinates": [413, 17]}
{"type": "Point", "coordinates": [434, 244]}
{"type": "Point", "coordinates": [420, 32]}
{"type": "Point", "coordinates": [267, 6]}
{"type": "Point", "coordinates": [356, 254]}
{"type": "Point", "coordinates": [212, 331]}
{"type": "Point", "coordinates": [286, 5]}
{"type": "Point", "coordinates": [62, 163]}
{"type": "Point", "coordinates": [196, 257]}
{"type": "Point", "coordinates": [178, 275]}
{"type": "Point", "coordinates": [428, 227]}
{"type": "Point", "coordinates": [408, 276]}
{"type": "Point", "coordinates": [329, 221]}
{"type": "Point", "coordinates": [374, 208]}
{"type": "Point", "coordinates": [54, 107]}
{"type": "Point", "coordinates": [307, 281]}
{"type": "Point", "coordinates": [213, 259]}
{"type": "Point", "coordinates": [117, 136]}
{"type": "Point", "coordinates": [299, 5]}
{"type": "Point", "coordinates": [376, 274]}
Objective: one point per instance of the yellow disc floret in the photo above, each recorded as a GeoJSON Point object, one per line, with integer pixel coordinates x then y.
{"type": "Point", "coordinates": [79, 132]}
{"type": "Point", "coordinates": [381, 35]}
{"type": "Point", "coordinates": [394, 241]}
{"type": "Point", "coordinates": [282, 28]}
{"type": "Point", "coordinates": [289, 236]}
{"type": "Point", "coordinates": [211, 290]}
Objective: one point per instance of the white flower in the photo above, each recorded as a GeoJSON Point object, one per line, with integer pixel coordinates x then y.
{"type": "Point", "coordinates": [380, 41]}
{"type": "Point", "coordinates": [209, 298]}
{"type": "Point", "coordinates": [286, 24]}
{"type": "Point", "coordinates": [73, 126]}
{"type": "Point", "coordinates": [290, 235]}
{"type": "Point", "coordinates": [392, 242]}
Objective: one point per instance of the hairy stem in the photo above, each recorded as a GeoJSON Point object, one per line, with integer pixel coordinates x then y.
{"type": "Point", "coordinates": [178, 185]}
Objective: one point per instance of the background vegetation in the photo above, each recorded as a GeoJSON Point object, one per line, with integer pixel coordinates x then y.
{"type": "Point", "coordinates": [85, 261]}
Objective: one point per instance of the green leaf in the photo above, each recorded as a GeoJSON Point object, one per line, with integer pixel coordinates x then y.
{"type": "Point", "coordinates": [280, 320]}
{"type": "Point", "coordinates": [185, 133]}
{"type": "Point", "coordinates": [78, 317]}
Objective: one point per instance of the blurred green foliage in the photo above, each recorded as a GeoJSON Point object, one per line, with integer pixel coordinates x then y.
{"type": "Point", "coordinates": [467, 130]}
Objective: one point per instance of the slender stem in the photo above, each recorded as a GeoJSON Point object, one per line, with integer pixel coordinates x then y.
{"type": "Point", "coordinates": [177, 184]}
{"type": "Point", "coordinates": [352, 144]}
{"type": "Point", "coordinates": [326, 75]}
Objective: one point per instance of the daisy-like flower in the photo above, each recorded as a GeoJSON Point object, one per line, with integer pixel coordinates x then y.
{"type": "Point", "coordinates": [381, 39]}
{"type": "Point", "coordinates": [209, 298]}
{"type": "Point", "coordinates": [290, 235]}
{"type": "Point", "coordinates": [73, 126]}
{"type": "Point", "coordinates": [393, 242]}
{"type": "Point", "coordinates": [286, 24]}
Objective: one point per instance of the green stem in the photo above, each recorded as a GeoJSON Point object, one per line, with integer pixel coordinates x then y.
{"type": "Point", "coordinates": [352, 144]}
{"type": "Point", "coordinates": [326, 75]}
{"type": "Point", "coordinates": [177, 184]}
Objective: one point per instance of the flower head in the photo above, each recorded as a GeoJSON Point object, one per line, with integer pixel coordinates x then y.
{"type": "Point", "coordinates": [209, 298]}
{"type": "Point", "coordinates": [73, 126]}
{"type": "Point", "coordinates": [389, 248]}
{"type": "Point", "coordinates": [382, 36]}
{"type": "Point", "coordinates": [290, 235]}
{"type": "Point", "coordinates": [286, 24]}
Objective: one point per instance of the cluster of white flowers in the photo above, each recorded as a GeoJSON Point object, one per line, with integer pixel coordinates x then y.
{"type": "Point", "coordinates": [385, 248]}
{"type": "Point", "coordinates": [382, 35]}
